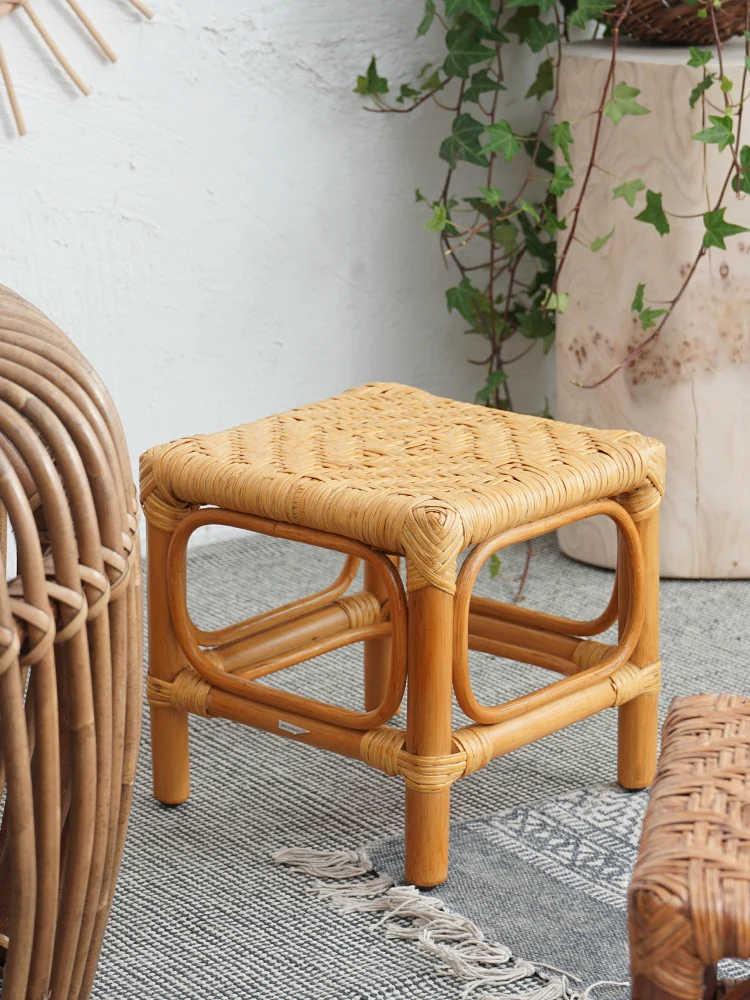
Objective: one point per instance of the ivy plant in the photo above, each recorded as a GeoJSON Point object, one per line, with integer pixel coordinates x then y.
{"type": "Point", "coordinates": [509, 244]}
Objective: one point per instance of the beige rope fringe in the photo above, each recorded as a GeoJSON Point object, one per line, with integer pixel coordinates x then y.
{"type": "Point", "coordinates": [346, 881]}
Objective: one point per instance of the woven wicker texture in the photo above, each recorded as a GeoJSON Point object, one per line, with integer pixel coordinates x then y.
{"type": "Point", "coordinates": [70, 658]}
{"type": "Point", "coordinates": [689, 900]}
{"type": "Point", "coordinates": [667, 22]}
{"type": "Point", "coordinates": [402, 471]}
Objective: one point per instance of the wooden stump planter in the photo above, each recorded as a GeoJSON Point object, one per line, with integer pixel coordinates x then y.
{"type": "Point", "coordinates": [690, 388]}
{"type": "Point", "coordinates": [70, 658]}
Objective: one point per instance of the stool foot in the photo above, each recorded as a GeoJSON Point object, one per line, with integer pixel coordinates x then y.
{"type": "Point", "coordinates": [637, 735]}
{"type": "Point", "coordinates": [426, 837]}
{"type": "Point", "coordinates": [170, 755]}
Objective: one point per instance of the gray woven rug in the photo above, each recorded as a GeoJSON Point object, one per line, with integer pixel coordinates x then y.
{"type": "Point", "coordinates": [542, 839]}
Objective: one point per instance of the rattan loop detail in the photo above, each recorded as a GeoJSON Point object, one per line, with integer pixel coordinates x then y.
{"type": "Point", "coordinates": [10, 645]}
{"type": "Point", "coordinates": [431, 774]}
{"type": "Point", "coordinates": [474, 743]}
{"type": "Point", "coordinates": [41, 620]}
{"type": "Point", "coordinates": [361, 609]}
{"type": "Point", "coordinates": [380, 748]}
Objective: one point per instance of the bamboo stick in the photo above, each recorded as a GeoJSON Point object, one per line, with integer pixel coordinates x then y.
{"type": "Point", "coordinates": [55, 49]}
{"type": "Point", "coordinates": [11, 91]}
{"type": "Point", "coordinates": [93, 30]}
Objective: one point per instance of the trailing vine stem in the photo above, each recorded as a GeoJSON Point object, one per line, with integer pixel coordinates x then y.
{"type": "Point", "coordinates": [516, 286]}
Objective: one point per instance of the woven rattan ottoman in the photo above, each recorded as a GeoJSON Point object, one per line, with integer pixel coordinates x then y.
{"type": "Point", "coordinates": [378, 473]}
{"type": "Point", "coordinates": [689, 899]}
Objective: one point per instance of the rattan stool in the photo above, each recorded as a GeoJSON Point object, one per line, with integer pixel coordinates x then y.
{"type": "Point", "coordinates": [689, 899]}
{"type": "Point", "coordinates": [376, 473]}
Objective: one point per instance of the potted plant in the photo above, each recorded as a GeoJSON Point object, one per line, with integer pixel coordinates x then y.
{"type": "Point", "coordinates": [600, 209]}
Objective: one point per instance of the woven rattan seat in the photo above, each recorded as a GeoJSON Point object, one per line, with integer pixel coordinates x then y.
{"type": "Point", "coordinates": [384, 472]}
{"type": "Point", "coordinates": [689, 900]}
{"type": "Point", "coordinates": [403, 471]}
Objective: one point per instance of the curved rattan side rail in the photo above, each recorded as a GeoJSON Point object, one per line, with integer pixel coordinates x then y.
{"type": "Point", "coordinates": [70, 657]}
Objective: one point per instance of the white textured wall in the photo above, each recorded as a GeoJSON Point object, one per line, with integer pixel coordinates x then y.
{"type": "Point", "coordinates": [220, 227]}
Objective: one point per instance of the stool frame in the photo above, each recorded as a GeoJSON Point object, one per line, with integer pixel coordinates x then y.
{"type": "Point", "coordinates": [426, 634]}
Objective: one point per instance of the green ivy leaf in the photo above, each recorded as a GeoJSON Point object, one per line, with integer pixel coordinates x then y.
{"type": "Point", "coordinates": [371, 83]}
{"type": "Point", "coordinates": [543, 5]}
{"type": "Point", "coordinates": [726, 85]}
{"type": "Point", "coordinates": [637, 303]}
{"type": "Point", "coordinates": [699, 57]}
{"type": "Point", "coordinates": [600, 241]}
{"type": "Point", "coordinates": [701, 88]}
{"type": "Point", "coordinates": [464, 143]}
{"type": "Point", "coordinates": [702, 13]}
{"type": "Point", "coordinates": [439, 218]}
{"type": "Point", "coordinates": [418, 196]}
{"type": "Point", "coordinates": [494, 381]}
{"type": "Point", "coordinates": [543, 250]}
{"type": "Point", "coordinates": [653, 213]}
{"type": "Point", "coordinates": [556, 302]}
{"type": "Point", "coordinates": [720, 131]}
{"type": "Point", "coordinates": [561, 181]}
{"type": "Point", "coordinates": [433, 82]}
{"type": "Point", "coordinates": [550, 222]}
{"type": "Point", "coordinates": [528, 209]}
{"type": "Point", "coordinates": [427, 19]}
{"type": "Point", "coordinates": [544, 82]}
{"type": "Point", "coordinates": [493, 34]}
{"type": "Point", "coordinates": [493, 565]}
{"type": "Point", "coordinates": [406, 93]}
{"type": "Point", "coordinates": [543, 158]}
{"type": "Point", "coordinates": [463, 52]}
{"type": "Point", "coordinates": [741, 184]}
{"type": "Point", "coordinates": [480, 9]}
{"type": "Point", "coordinates": [493, 196]}
{"type": "Point", "coordinates": [629, 191]}
{"type": "Point", "coordinates": [541, 35]}
{"type": "Point", "coordinates": [562, 139]}
{"type": "Point", "coordinates": [623, 102]}
{"type": "Point", "coordinates": [589, 10]}
{"type": "Point", "coordinates": [535, 324]}
{"type": "Point", "coordinates": [506, 236]}
{"type": "Point", "coordinates": [481, 83]}
{"type": "Point", "coordinates": [717, 229]}
{"type": "Point", "coordinates": [467, 300]}
{"type": "Point", "coordinates": [520, 23]}
{"type": "Point", "coordinates": [648, 317]}
{"type": "Point", "coordinates": [502, 140]}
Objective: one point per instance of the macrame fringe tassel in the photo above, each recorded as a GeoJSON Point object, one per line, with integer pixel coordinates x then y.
{"type": "Point", "coordinates": [455, 942]}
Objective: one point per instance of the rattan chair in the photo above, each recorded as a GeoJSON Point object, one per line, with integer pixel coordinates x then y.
{"type": "Point", "coordinates": [689, 898]}
{"type": "Point", "coordinates": [70, 657]}
{"type": "Point", "coordinates": [384, 472]}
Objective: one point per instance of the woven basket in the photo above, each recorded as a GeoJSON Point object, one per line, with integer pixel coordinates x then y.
{"type": "Point", "coordinates": [670, 23]}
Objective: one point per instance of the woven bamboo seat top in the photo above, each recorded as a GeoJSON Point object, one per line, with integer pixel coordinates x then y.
{"type": "Point", "coordinates": [403, 471]}
{"type": "Point", "coordinates": [690, 894]}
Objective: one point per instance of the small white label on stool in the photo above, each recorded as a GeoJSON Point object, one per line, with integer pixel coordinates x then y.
{"type": "Point", "coordinates": [289, 728]}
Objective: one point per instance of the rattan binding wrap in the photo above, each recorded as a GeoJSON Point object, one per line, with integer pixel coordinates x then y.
{"type": "Point", "coordinates": [70, 657]}
{"type": "Point", "coordinates": [689, 900]}
{"type": "Point", "coordinates": [404, 472]}
{"type": "Point", "coordinates": [666, 23]}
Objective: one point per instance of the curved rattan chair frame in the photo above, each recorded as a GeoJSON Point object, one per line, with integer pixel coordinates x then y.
{"type": "Point", "coordinates": [70, 657]}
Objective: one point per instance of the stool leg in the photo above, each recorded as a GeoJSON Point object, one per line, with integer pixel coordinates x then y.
{"type": "Point", "coordinates": [377, 651]}
{"type": "Point", "coordinates": [638, 719]}
{"type": "Point", "coordinates": [428, 731]}
{"type": "Point", "coordinates": [170, 761]}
